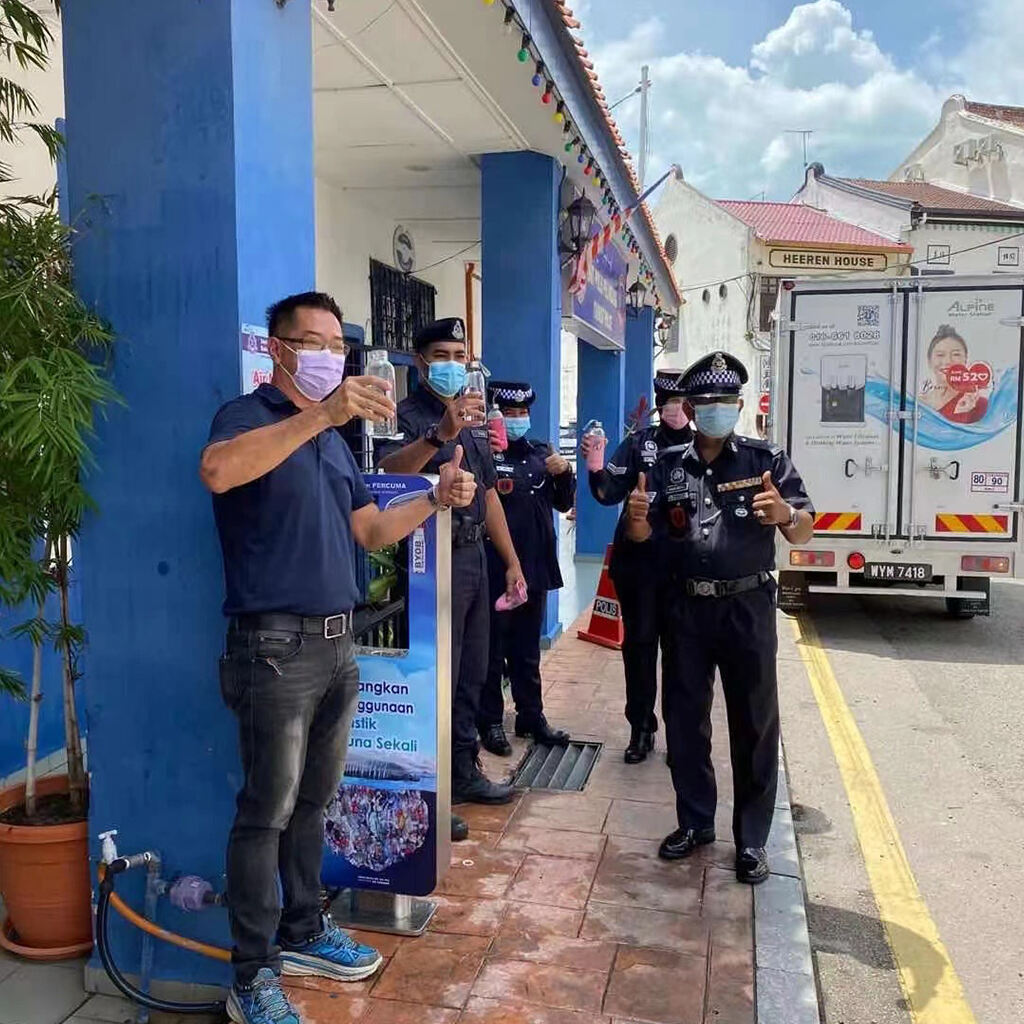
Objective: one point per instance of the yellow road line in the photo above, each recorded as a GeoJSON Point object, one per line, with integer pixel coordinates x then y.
{"type": "Point", "coordinates": [929, 981]}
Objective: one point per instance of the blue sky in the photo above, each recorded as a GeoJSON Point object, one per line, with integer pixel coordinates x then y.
{"type": "Point", "coordinates": [869, 76]}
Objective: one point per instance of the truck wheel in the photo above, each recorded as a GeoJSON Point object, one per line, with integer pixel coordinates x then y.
{"type": "Point", "coordinates": [956, 610]}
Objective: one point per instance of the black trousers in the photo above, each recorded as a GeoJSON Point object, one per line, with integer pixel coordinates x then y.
{"type": "Point", "coordinates": [737, 636]}
{"type": "Point", "coordinates": [294, 697]}
{"type": "Point", "coordinates": [470, 642]}
{"type": "Point", "coordinates": [639, 603]}
{"type": "Point", "coordinates": [515, 647]}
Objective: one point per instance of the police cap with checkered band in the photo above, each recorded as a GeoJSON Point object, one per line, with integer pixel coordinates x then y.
{"type": "Point", "coordinates": [667, 384]}
{"type": "Point", "coordinates": [716, 375]}
{"type": "Point", "coordinates": [450, 328]}
{"type": "Point", "coordinates": [510, 394]}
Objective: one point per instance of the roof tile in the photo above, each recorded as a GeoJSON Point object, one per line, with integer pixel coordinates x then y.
{"type": "Point", "coordinates": [996, 112]}
{"type": "Point", "coordinates": [797, 223]}
{"type": "Point", "coordinates": [935, 197]}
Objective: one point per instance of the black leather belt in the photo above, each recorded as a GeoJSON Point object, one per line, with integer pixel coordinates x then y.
{"type": "Point", "coordinates": [725, 588]}
{"type": "Point", "coordinates": [466, 534]}
{"type": "Point", "coordinates": [330, 627]}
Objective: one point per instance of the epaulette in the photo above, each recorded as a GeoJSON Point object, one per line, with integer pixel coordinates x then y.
{"type": "Point", "coordinates": [756, 442]}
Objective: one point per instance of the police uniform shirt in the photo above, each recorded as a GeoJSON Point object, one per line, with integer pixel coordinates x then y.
{"type": "Point", "coordinates": [529, 494]}
{"type": "Point", "coordinates": [416, 414]}
{"type": "Point", "coordinates": [702, 514]}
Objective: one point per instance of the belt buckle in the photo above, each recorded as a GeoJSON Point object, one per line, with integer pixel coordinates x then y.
{"type": "Point", "coordinates": [705, 588]}
{"type": "Point", "coordinates": [342, 619]}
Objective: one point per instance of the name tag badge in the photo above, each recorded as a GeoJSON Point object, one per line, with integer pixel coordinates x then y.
{"type": "Point", "coordinates": [739, 485]}
{"type": "Point", "coordinates": [479, 432]}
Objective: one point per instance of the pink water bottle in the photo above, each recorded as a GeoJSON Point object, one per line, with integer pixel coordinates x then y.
{"type": "Point", "coordinates": [595, 449]}
{"type": "Point", "coordinates": [507, 604]}
{"type": "Point", "coordinates": [496, 429]}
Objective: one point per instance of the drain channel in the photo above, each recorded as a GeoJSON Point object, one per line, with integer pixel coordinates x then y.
{"type": "Point", "coordinates": [563, 768]}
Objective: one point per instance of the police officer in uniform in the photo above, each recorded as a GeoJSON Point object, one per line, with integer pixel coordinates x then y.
{"type": "Point", "coordinates": [431, 421]}
{"type": "Point", "coordinates": [532, 481]}
{"type": "Point", "coordinates": [630, 569]}
{"type": "Point", "coordinates": [709, 511]}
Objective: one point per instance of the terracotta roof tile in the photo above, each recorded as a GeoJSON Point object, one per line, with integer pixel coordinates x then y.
{"type": "Point", "coordinates": [935, 197]}
{"type": "Point", "coordinates": [797, 223]}
{"type": "Point", "coordinates": [996, 112]}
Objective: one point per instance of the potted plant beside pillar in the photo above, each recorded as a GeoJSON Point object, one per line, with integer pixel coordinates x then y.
{"type": "Point", "coordinates": [53, 352]}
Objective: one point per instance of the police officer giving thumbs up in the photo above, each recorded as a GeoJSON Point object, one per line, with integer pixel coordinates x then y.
{"type": "Point", "coordinates": [710, 510]}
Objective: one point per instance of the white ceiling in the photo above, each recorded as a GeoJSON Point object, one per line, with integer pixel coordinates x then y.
{"type": "Point", "coordinates": [409, 93]}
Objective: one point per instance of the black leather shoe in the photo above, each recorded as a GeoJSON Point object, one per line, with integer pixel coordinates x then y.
{"type": "Point", "coordinates": [493, 738]}
{"type": "Point", "coordinates": [752, 865]}
{"type": "Point", "coordinates": [684, 841]}
{"type": "Point", "coordinates": [542, 732]}
{"type": "Point", "coordinates": [471, 786]}
{"type": "Point", "coordinates": [641, 743]}
{"type": "Point", "coordinates": [460, 829]}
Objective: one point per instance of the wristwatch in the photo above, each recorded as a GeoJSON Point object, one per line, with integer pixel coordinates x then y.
{"type": "Point", "coordinates": [435, 501]}
{"type": "Point", "coordinates": [430, 436]}
{"type": "Point", "coordinates": [794, 515]}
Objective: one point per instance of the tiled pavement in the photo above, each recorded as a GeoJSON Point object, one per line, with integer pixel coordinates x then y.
{"type": "Point", "coordinates": [556, 911]}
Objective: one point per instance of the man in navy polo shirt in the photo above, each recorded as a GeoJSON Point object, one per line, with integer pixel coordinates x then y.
{"type": "Point", "coordinates": [289, 500]}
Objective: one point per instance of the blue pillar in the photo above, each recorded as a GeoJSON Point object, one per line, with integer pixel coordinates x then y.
{"type": "Point", "coordinates": [190, 171]}
{"type": "Point", "coordinates": [522, 287]}
{"type": "Point", "coordinates": [640, 358]}
{"type": "Point", "coordinates": [601, 390]}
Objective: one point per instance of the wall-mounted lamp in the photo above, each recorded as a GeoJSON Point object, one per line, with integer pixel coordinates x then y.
{"type": "Point", "coordinates": [635, 295]}
{"type": "Point", "coordinates": [579, 224]}
{"type": "Point", "coordinates": [665, 328]}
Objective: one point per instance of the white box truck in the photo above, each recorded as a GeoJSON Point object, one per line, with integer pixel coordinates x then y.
{"type": "Point", "coordinates": [900, 404]}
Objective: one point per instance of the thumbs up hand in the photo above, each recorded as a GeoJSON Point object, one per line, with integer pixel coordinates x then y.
{"type": "Point", "coordinates": [770, 507]}
{"type": "Point", "coordinates": [455, 486]}
{"type": "Point", "coordinates": [639, 503]}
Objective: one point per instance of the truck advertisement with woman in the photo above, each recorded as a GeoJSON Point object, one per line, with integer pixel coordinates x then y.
{"type": "Point", "coordinates": [901, 403]}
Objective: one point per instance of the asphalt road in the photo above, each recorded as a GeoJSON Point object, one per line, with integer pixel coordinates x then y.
{"type": "Point", "coordinates": [940, 705]}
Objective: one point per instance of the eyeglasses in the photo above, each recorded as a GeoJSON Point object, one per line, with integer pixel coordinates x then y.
{"type": "Point", "coordinates": [338, 348]}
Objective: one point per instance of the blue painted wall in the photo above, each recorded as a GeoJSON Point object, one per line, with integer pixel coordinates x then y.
{"type": "Point", "coordinates": [522, 286]}
{"type": "Point", "coordinates": [193, 123]}
{"type": "Point", "coordinates": [601, 384]}
{"type": "Point", "coordinates": [640, 359]}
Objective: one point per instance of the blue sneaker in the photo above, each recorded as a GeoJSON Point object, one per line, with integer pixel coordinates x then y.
{"type": "Point", "coordinates": [262, 1002]}
{"type": "Point", "coordinates": [331, 954]}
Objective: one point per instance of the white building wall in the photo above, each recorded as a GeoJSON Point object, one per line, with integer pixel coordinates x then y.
{"type": "Point", "coordinates": [889, 221]}
{"type": "Point", "coordinates": [999, 177]}
{"type": "Point", "coordinates": [30, 163]}
{"type": "Point", "coordinates": [714, 255]}
{"type": "Point", "coordinates": [931, 241]}
{"type": "Point", "coordinates": [350, 232]}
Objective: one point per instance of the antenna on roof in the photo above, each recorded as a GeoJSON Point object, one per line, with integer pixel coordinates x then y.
{"type": "Point", "coordinates": [804, 134]}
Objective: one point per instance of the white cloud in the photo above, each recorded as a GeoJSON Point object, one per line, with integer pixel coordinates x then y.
{"type": "Point", "coordinates": [726, 125]}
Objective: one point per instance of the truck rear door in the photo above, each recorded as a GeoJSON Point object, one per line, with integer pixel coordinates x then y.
{"type": "Point", "coordinates": [960, 461]}
{"type": "Point", "coordinates": [845, 348]}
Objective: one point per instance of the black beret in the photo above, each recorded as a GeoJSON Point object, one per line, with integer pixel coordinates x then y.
{"type": "Point", "coordinates": [450, 329]}
{"type": "Point", "coordinates": [716, 374]}
{"type": "Point", "coordinates": [510, 394]}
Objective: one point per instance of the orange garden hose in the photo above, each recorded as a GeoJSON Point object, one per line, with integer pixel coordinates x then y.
{"type": "Point", "coordinates": [214, 952]}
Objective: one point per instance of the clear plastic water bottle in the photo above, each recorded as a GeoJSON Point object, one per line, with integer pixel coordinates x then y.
{"type": "Point", "coordinates": [476, 382]}
{"type": "Point", "coordinates": [378, 365]}
{"type": "Point", "coordinates": [496, 428]}
{"type": "Point", "coordinates": [595, 452]}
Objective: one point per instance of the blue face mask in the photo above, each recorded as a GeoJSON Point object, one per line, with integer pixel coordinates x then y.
{"type": "Point", "coordinates": [717, 419]}
{"type": "Point", "coordinates": [446, 378]}
{"type": "Point", "coordinates": [516, 427]}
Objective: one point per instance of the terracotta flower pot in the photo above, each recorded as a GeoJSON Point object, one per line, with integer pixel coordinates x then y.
{"type": "Point", "coordinates": [44, 879]}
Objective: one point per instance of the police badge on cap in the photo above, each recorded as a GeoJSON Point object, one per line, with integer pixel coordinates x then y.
{"type": "Point", "coordinates": [449, 329]}
{"type": "Point", "coordinates": [716, 375]}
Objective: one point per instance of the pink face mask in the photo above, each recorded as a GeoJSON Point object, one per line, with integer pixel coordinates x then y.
{"type": "Point", "coordinates": [316, 374]}
{"type": "Point", "coordinates": [672, 416]}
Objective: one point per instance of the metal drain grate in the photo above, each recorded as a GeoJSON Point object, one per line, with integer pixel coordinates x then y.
{"type": "Point", "coordinates": [564, 768]}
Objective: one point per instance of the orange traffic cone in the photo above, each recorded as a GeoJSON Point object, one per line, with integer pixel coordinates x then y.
{"type": "Point", "coordinates": [606, 618]}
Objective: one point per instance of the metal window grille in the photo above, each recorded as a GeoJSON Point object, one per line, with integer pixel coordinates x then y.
{"type": "Point", "coordinates": [400, 305]}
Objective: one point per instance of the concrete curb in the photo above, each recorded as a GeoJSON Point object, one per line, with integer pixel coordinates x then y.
{"type": "Point", "coordinates": [785, 991]}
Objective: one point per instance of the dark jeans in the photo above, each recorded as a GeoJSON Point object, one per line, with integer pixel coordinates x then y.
{"type": "Point", "coordinates": [470, 638]}
{"type": "Point", "coordinates": [515, 645]}
{"type": "Point", "coordinates": [737, 636]}
{"type": "Point", "coordinates": [639, 603]}
{"type": "Point", "coordinates": [294, 696]}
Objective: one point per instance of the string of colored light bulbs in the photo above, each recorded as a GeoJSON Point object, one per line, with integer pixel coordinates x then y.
{"type": "Point", "coordinates": [573, 138]}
